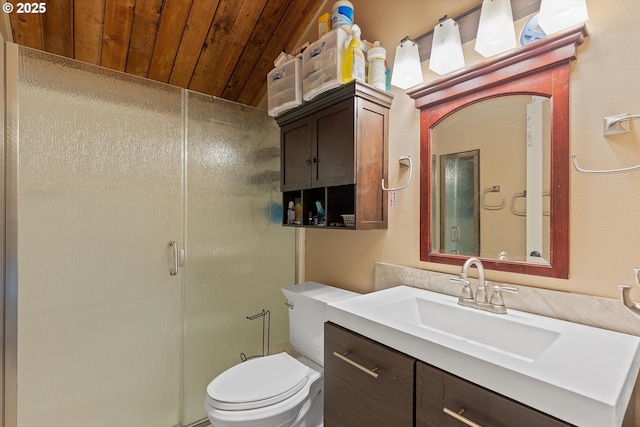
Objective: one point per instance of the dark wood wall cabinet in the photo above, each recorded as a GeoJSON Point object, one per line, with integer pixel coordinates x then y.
{"type": "Point", "coordinates": [369, 384]}
{"type": "Point", "coordinates": [334, 156]}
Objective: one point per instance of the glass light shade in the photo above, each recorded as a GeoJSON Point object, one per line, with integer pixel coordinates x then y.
{"type": "Point", "coordinates": [406, 66]}
{"type": "Point", "coordinates": [446, 51]}
{"type": "Point", "coordinates": [557, 15]}
{"type": "Point", "coordinates": [496, 33]}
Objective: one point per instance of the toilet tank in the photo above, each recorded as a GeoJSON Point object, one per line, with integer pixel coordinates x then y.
{"type": "Point", "coordinates": [307, 314]}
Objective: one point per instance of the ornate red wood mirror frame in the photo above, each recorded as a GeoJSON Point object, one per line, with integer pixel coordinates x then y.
{"type": "Point", "coordinates": [541, 68]}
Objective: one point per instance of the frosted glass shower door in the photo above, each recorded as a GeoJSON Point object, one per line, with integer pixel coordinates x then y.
{"type": "Point", "coordinates": [96, 162]}
{"type": "Point", "coordinates": [459, 211]}
{"type": "Point", "coordinates": [238, 254]}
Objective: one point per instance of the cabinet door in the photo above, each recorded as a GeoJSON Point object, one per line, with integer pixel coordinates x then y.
{"type": "Point", "coordinates": [295, 141]}
{"type": "Point", "coordinates": [333, 146]}
{"type": "Point", "coordinates": [354, 397]}
{"type": "Point", "coordinates": [371, 160]}
{"type": "Point", "coordinates": [437, 390]}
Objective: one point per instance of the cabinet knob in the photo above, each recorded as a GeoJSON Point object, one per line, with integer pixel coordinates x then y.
{"type": "Point", "coordinates": [308, 162]}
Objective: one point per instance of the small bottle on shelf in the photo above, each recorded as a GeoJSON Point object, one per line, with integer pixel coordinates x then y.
{"type": "Point", "coordinates": [291, 214]}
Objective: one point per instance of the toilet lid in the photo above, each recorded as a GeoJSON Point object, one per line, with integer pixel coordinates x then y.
{"type": "Point", "coordinates": [258, 382]}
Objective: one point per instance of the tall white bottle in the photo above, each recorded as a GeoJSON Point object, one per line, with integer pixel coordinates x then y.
{"type": "Point", "coordinates": [377, 57]}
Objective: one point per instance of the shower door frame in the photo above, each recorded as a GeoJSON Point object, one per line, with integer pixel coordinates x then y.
{"type": "Point", "coordinates": [10, 249]}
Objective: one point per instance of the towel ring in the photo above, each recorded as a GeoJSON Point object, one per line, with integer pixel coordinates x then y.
{"type": "Point", "coordinates": [405, 161]}
{"type": "Point", "coordinates": [494, 189]}
{"type": "Point", "coordinates": [523, 194]}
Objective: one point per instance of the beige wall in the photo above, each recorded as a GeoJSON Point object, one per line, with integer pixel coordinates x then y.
{"type": "Point", "coordinates": [604, 220]}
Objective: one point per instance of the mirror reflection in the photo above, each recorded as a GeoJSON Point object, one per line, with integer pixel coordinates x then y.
{"type": "Point", "coordinates": [491, 180]}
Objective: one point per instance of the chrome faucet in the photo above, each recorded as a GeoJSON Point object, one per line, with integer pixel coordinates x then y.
{"type": "Point", "coordinates": [495, 304]}
{"type": "Point", "coordinates": [467, 293]}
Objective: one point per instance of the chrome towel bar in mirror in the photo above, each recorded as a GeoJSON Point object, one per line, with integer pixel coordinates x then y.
{"type": "Point", "coordinates": [485, 205]}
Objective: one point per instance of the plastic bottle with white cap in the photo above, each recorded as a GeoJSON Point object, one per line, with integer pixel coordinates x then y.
{"type": "Point", "coordinates": [377, 56]}
{"type": "Point", "coordinates": [342, 15]}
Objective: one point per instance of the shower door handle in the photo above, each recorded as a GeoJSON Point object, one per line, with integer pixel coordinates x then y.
{"type": "Point", "coordinates": [175, 258]}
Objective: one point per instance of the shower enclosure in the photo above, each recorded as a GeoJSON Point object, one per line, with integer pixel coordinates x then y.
{"type": "Point", "coordinates": [142, 228]}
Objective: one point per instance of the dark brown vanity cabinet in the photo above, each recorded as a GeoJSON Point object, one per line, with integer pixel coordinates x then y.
{"type": "Point", "coordinates": [334, 153]}
{"type": "Point", "coordinates": [370, 384]}
{"type": "Point", "coordinates": [445, 400]}
{"type": "Point", "coordinates": [366, 383]}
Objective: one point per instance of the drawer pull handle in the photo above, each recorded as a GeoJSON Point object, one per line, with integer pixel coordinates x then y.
{"type": "Point", "coordinates": [343, 356]}
{"type": "Point", "coordinates": [458, 416]}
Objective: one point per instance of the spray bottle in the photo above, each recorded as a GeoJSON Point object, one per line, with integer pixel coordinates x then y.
{"type": "Point", "coordinates": [353, 63]}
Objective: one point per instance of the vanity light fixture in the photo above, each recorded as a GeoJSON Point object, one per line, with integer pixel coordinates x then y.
{"type": "Point", "coordinates": [557, 15]}
{"type": "Point", "coordinates": [406, 66]}
{"type": "Point", "coordinates": [446, 50]}
{"type": "Point", "coordinates": [496, 33]}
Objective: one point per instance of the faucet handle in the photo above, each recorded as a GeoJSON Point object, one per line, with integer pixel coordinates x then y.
{"type": "Point", "coordinates": [496, 295]}
{"type": "Point", "coordinates": [481, 292]}
{"type": "Point", "coordinates": [466, 292]}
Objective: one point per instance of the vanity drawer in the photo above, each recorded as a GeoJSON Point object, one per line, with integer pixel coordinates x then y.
{"type": "Point", "coordinates": [436, 390]}
{"type": "Point", "coordinates": [354, 396]}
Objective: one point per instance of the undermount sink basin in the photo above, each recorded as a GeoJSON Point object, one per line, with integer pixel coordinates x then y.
{"type": "Point", "coordinates": [579, 374]}
{"type": "Point", "coordinates": [494, 332]}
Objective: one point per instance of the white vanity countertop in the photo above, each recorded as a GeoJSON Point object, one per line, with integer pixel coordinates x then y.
{"type": "Point", "coordinates": [579, 374]}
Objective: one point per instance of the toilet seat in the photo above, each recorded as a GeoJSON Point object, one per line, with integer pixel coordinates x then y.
{"type": "Point", "coordinates": [258, 383]}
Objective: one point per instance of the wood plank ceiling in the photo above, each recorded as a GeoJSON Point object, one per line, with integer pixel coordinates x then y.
{"type": "Point", "coordinates": [223, 48]}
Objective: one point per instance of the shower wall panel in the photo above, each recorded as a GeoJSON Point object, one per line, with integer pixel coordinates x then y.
{"type": "Point", "coordinates": [239, 256]}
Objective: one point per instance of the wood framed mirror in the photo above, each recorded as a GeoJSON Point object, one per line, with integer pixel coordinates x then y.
{"type": "Point", "coordinates": [514, 110]}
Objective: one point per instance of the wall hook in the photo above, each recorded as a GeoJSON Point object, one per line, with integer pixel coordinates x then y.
{"type": "Point", "coordinates": [405, 161]}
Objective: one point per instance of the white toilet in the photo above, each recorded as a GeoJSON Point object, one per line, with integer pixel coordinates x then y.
{"type": "Point", "coordinates": [280, 390]}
